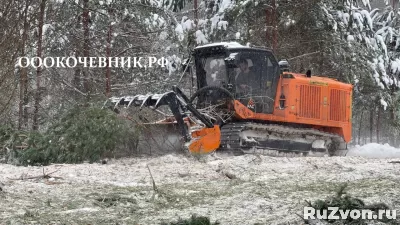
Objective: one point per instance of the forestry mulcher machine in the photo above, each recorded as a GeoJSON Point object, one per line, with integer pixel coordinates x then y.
{"type": "Point", "coordinates": [248, 102]}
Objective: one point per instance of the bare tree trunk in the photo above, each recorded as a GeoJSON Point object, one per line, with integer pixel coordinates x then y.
{"type": "Point", "coordinates": [196, 15]}
{"type": "Point", "coordinates": [274, 27]}
{"type": "Point", "coordinates": [371, 124]}
{"type": "Point", "coordinates": [393, 132]}
{"type": "Point", "coordinates": [359, 127]}
{"type": "Point", "coordinates": [108, 54]}
{"type": "Point", "coordinates": [85, 21]}
{"type": "Point", "coordinates": [378, 124]}
{"type": "Point", "coordinates": [35, 125]}
{"type": "Point", "coordinates": [395, 5]}
{"type": "Point", "coordinates": [392, 127]}
{"type": "Point", "coordinates": [23, 80]}
{"type": "Point", "coordinates": [78, 46]}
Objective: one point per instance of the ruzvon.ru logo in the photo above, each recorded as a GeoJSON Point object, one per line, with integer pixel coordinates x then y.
{"type": "Point", "coordinates": [334, 213]}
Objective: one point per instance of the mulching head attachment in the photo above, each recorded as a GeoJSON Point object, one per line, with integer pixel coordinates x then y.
{"type": "Point", "coordinates": [186, 124]}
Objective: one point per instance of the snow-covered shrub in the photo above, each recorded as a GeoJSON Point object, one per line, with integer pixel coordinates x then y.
{"type": "Point", "coordinates": [10, 139]}
{"type": "Point", "coordinates": [344, 202]}
{"type": "Point", "coordinates": [194, 220]}
{"type": "Point", "coordinates": [82, 134]}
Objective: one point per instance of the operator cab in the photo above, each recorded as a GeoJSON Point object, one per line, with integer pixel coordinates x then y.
{"type": "Point", "coordinates": [250, 74]}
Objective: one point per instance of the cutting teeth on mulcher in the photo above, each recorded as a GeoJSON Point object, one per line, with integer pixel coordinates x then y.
{"type": "Point", "coordinates": [279, 140]}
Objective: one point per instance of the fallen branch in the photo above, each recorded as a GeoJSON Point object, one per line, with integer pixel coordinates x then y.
{"type": "Point", "coordinates": [304, 55]}
{"type": "Point", "coordinates": [229, 175]}
{"type": "Point", "coordinates": [152, 179]}
{"type": "Point", "coordinates": [256, 160]}
{"type": "Point", "coordinates": [313, 165]}
{"type": "Point", "coordinates": [394, 162]}
{"type": "Point", "coordinates": [44, 176]}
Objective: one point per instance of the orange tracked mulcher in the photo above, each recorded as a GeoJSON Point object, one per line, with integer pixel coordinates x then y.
{"type": "Point", "coordinates": [247, 101]}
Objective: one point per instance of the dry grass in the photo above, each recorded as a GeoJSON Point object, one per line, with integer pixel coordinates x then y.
{"type": "Point", "coordinates": [270, 191]}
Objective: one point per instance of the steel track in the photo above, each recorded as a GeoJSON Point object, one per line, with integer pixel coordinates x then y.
{"type": "Point", "coordinates": [279, 140]}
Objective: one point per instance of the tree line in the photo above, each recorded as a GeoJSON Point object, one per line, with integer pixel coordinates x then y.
{"type": "Point", "coordinates": [346, 40]}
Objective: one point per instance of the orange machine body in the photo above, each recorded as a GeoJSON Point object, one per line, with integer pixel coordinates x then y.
{"type": "Point", "coordinates": [317, 102]}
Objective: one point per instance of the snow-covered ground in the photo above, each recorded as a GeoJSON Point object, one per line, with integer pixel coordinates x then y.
{"type": "Point", "coordinates": [374, 150]}
{"type": "Point", "coordinates": [242, 190]}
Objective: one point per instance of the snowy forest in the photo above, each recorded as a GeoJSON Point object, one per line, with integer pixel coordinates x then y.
{"type": "Point", "coordinates": [353, 41]}
{"type": "Point", "coordinates": [66, 158]}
